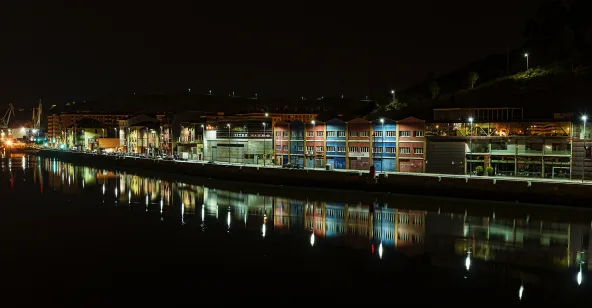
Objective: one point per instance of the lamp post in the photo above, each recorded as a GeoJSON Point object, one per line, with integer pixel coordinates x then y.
{"type": "Point", "coordinates": [393, 94]}
{"type": "Point", "coordinates": [471, 146]}
{"type": "Point", "coordinates": [584, 118]}
{"type": "Point", "coordinates": [228, 142]}
{"type": "Point", "coordinates": [265, 139]}
{"type": "Point", "coordinates": [382, 147]}
{"type": "Point", "coordinates": [314, 151]}
{"type": "Point", "coordinates": [526, 56]}
{"type": "Point", "coordinates": [203, 140]}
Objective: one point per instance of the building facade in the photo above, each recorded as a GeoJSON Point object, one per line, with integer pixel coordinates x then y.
{"type": "Point", "coordinates": [411, 145]}
{"type": "Point", "coordinates": [384, 145]}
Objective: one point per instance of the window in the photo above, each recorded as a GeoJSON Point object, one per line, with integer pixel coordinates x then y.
{"type": "Point", "coordinates": [377, 133]}
{"type": "Point", "coordinates": [278, 134]}
{"type": "Point", "coordinates": [330, 148]}
{"type": "Point", "coordinates": [353, 134]}
{"type": "Point", "coordinates": [418, 151]}
{"type": "Point", "coordinates": [405, 150]}
{"type": "Point", "coordinates": [320, 149]}
{"type": "Point", "coordinates": [390, 150]}
{"type": "Point", "coordinates": [588, 153]}
{"type": "Point", "coordinates": [340, 149]}
{"type": "Point", "coordinates": [364, 149]}
{"type": "Point", "coordinates": [353, 149]}
{"type": "Point", "coordinates": [278, 147]}
{"type": "Point", "coordinates": [403, 236]}
{"type": "Point", "coordinates": [285, 134]}
{"type": "Point", "coordinates": [320, 134]}
{"type": "Point", "coordinates": [417, 238]}
{"type": "Point", "coordinates": [331, 134]}
{"type": "Point", "coordinates": [300, 148]}
{"type": "Point", "coordinates": [391, 133]}
{"type": "Point", "coordinates": [417, 220]}
{"type": "Point", "coordinates": [377, 149]}
{"type": "Point", "coordinates": [285, 148]}
{"type": "Point", "coordinates": [418, 133]}
{"type": "Point", "coordinates": [403, 219]}
{"type": "Point", "coordinates": [309, 148]}
{"type": "Point", "coordinates": [405, 133]}
{"type": "Point", "coordinates": [154, 136]}
{"type": "Point", "coordinates": [341, 134]}
{"type": "Point", "coordinates": [365, 134]}
{"type": "Point", "coordinates": [309, 134]}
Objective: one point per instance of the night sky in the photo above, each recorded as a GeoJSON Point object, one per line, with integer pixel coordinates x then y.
{"type": "Point", "coordinates": [85, 52]}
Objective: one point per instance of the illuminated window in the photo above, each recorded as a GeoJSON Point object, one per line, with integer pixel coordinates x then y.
{"type": "Point", "coordinates": [330, 134]}
{"type": "Point", "coordinates": [418, 133]}
{"type": "Point", "coordinates": [365, 134]}
{"type": "Point", "coordinates": [405, 133]}
{"type": "Point", "coordinates": [405, 150]}
{"type": "Point", "coordinates": [341, 134]}
{"type": "Point", "coordinates": [418, 151]}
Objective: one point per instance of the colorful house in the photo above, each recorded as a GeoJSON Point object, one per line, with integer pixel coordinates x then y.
{"type": "Point", "coordinates": [336, 139]}
{"type": "Point", "coordinates": [411, 145]}
{"type": "Point", "coordinates": [359, 144]}
{"type": "Point", "coordinates": [281, 141]}
{"type": "Point", "coordinates": [315, 144]}
{"type": "Point", "coordinates": [384, 144]}
{"type": "Point", "coordinates": [296, 144]}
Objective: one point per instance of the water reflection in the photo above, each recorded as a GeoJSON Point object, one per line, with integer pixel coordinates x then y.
{"type": "Point", "coordinates": [471, 241]}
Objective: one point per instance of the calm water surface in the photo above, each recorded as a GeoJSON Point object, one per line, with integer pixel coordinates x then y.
{"type": "Point", "coordinates": [68, 228]}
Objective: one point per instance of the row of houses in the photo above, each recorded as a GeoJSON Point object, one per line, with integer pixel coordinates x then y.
{"type": "Point", "coordinates": [458, 141]}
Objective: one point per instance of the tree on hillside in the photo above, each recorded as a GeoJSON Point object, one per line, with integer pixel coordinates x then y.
{"type": "Point", "coordinates": [395, 104]}
{"type": "Point", "coordinates": [473, 77]}
{"type": "Point", "coordinates": [434, 89]}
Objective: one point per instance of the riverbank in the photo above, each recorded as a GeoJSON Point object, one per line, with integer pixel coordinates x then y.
{"type": "Point", "coordinates": [481, 188]}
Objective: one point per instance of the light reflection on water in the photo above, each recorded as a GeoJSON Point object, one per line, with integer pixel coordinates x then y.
{"type": "Point", "coordinates": [473, 241]}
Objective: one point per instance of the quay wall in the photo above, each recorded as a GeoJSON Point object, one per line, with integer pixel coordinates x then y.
{"type": "Point", "coordinates": [479, 188]}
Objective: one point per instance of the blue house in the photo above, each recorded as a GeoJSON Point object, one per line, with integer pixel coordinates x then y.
{"type": "Point", "coordinates": [335, 138]}
{"type": "Point", "coordinates": [297, 143]}
{"type": "Point", "coordinates": [384, 144]}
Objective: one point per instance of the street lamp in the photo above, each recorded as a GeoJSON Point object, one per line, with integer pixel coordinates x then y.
{"type": "Point", "coordinates": [584, 118]}
{"type": "Point", "coordinates": [393, 94]}
{"type": "Point", "coordinates": [228, 142]}
{"type": "Point", "coordinates": [526, 56]}
{"type": "Point", "coordinates": [471, 147]}
{"type": "Point", "coordinates": [314, 151]}
{"type": "Point", "coordinates": [382, 147]}
{"type": "Point", "coordinates": [203, 140]}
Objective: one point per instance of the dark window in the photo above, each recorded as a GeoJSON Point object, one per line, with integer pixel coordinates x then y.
{"type": "Point", "coordinates": [588, 153]}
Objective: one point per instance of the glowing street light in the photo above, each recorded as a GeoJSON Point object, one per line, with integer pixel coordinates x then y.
{"type": "Point", "coordinates": [584, 119]}
{"type": "Point", "coordinates": [526, 56]}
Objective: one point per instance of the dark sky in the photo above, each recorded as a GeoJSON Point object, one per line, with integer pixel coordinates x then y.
{"type": "Point", "coordinates": [78, 52]}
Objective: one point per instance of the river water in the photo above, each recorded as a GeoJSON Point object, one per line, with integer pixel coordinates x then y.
{"type": "Point", "coordinates": [69, 227]}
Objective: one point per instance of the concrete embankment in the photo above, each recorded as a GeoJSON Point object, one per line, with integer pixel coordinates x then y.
{"type": "Point", "coordinates": [483, 188]}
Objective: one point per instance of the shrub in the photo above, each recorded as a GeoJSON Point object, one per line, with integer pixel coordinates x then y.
{"type": "Point", "coordinates": [479, 170]}
{"type": "Point", "coordinates": [489, 170]}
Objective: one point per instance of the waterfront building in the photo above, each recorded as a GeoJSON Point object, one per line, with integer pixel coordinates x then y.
{"type": "Point", "coordinates": [143, 133]}
{"type": "Point", "coordinates": [410, 145]}
{"type": "Point", "coordinates": [315, 144]}
{"type": "Point", "coordinates": [336, 143]}
{"type": "Point", "coordinates": [239, 140]}
{"type": "Point", "coordinates": [513, 148]}
{"type": "Point", "coordinates": [296, 143]}
{"type": "Point", "coordinates": [384, 144]}
{"type": "Point", "coordinates": [281, 140]}
{"type": "Point", "coordinates": [190, 142]}
{"type": "Point", "coordinates": [58, 123]}
{"type": "Point", "coordinates": [358, 145]}
{"type": "Point", "coordinates": [84, 134]}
